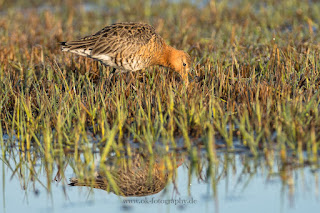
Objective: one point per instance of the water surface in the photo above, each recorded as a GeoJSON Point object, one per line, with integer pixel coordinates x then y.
{"type": "Point", "coordinates": [240, 183]}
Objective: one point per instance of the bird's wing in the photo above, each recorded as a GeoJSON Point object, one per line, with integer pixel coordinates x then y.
{"type": "Point", "coordinates": [123, 38]}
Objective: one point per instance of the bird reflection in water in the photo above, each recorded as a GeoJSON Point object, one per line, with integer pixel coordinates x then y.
{"type": "Point", "coordinates": [134, 176]}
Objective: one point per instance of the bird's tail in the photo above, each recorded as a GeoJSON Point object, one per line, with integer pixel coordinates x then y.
{"type": "Point", "coordinates": [81, 47]}
{"type": "Point", "coordinates": [64, 46]}
{"type": "Point", "coordinates": [98, 183]}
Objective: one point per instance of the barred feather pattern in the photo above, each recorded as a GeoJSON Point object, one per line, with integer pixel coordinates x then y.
{"type": "Point", "coordinates": [128, 46]}
{"type": "Point", "coordinates": [138, 179]}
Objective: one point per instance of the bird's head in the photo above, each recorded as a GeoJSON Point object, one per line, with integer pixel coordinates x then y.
{"type": "Point", "coordinates": [180, 62]}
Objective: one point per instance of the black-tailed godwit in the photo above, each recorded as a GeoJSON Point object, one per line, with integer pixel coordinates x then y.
{"type": "Point", "coordinates": [130, 47]}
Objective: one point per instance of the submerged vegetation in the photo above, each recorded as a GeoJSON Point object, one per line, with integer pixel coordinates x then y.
{"type": "Point", "coordinates": [255, 82]}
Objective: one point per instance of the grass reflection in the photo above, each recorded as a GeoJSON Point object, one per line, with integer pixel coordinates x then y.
{"type": "Point", "coordinates": [144, 175]}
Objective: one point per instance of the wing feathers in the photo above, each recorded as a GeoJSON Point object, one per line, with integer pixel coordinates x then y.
{"type": "Point", "coordinates": [118, 45]}
{"type": "Point", "coordinates": [122, 37]}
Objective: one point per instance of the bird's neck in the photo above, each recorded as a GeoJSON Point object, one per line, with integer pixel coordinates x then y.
{"type": "Point", "coordinates": [166, 57]}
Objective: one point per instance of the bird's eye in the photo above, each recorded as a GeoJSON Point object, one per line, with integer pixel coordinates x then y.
{"type": "Point", "coordinates": [184, 64]}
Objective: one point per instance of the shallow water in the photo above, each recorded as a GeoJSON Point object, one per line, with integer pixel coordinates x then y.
{"type": "Point", "coordinates": [241, 184]}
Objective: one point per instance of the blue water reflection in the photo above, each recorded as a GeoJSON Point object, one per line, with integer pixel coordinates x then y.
{"type": "Point", "coordinates": [239, 188]}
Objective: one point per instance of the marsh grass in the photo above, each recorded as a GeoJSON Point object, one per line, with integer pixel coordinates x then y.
{"type": "Point", "coordinates": [255, 79]}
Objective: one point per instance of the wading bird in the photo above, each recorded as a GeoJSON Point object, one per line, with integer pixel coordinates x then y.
{"type": "Point", "coordinates": [130, 47]}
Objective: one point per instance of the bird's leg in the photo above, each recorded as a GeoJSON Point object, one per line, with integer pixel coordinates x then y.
{"type": "Point", "coordinates": [113, 71]}
{"type": "Point", "coordinates": [131, 73]}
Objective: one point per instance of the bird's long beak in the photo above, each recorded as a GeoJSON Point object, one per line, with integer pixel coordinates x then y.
{"type": "Point", "coordinates": [185, 78]}
{"type": "Point", "coordinates": [193, 70]}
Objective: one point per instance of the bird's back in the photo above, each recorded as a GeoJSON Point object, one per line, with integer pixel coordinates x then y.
{"type": "Point", "coordinates": [127, 46]}
{"type": "Point", "coordinates": [138, 178]}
